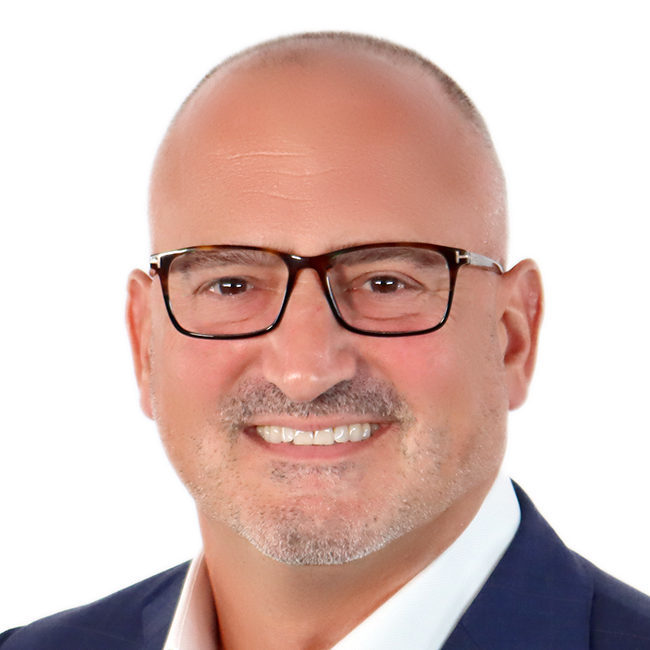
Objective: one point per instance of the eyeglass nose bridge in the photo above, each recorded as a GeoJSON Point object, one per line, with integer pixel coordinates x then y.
{"type": "Point", "coordinates": [319, 263]}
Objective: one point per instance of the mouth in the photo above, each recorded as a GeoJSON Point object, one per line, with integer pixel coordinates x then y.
{"type": "Point", "coordinates": [342, 434]}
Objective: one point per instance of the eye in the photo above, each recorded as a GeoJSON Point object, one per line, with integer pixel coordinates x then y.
{"type": "Point", "coordinates": [229, 286]}
{"type": "Point", "coordinates": [384, 284]}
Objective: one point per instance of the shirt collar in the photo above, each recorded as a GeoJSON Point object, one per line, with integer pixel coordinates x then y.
{"type": "Point", "coordinates": [426, 609]}
{"type": "Point", "coordinates": [194, 626]}
{"type": "Point", "coordinates": [421, 614]}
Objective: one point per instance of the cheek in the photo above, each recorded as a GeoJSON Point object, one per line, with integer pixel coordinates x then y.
{"type": "Point", "coordinates": [189, 370]}
{"type": "Point", "coordinates": [426, 370]}
{"type": "Point", "coordinates": [459, 403]}
{"type": "Point", "coordinates": [189, 377]}
{"type": "Point", "coordinates": [450, 378]}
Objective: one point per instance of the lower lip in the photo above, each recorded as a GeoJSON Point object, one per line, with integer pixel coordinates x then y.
{"type": "Point", "coordinates": [316, 453]}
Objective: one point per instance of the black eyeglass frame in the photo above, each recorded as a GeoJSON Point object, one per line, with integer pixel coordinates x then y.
{"type": "Point", "coordinates": [160, 263]}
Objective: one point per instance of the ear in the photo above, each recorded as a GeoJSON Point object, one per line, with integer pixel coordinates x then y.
{"type": "Point", "coordinates": [138, 320]}
{"type": "Point", "coordinates": [520, 323]}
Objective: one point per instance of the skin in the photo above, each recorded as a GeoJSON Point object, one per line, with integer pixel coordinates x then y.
{"type": "Point", "coordinates": [308, 159]}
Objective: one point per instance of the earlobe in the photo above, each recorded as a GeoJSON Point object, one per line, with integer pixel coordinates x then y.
{"type": "Point", "coordinates": [521, 320]}
{"type": "Point", "coordinates": [138, 319]}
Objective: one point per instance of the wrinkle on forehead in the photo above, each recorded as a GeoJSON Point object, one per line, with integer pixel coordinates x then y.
{"type": "Point", "coordinates": [262, 154]}
{"type": "Point", "coordinates": [297, 163]}
{"type": "Point", "coordinates": [264, 172]}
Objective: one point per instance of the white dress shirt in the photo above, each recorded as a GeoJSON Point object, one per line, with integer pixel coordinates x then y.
{"type": "Point", "coordinates": [420, 616]}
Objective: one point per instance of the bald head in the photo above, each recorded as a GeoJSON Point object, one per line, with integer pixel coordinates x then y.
{"type": "Point", "coordinates": [303, 49]}
{"type": "Point", "coordinates": [327, 104]}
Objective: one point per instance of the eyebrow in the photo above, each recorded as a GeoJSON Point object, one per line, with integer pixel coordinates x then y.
{"type": "Point", "coordinates": [223, 257]}
{"type": "Point", "coordinates": [421, 256]}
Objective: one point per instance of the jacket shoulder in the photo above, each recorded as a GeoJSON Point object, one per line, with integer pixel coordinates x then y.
{"type": "Point", "coordinates": [135, 617]}
{"type": "Point", "coordinates": [542, 595]}
{"type": "Point", "coordinates": [620, 615]}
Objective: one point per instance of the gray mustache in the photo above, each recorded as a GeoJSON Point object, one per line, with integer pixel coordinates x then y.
{"type": "Point", "coordinates": [354, 396]}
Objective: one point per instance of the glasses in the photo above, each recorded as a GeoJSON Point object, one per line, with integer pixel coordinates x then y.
{"type": "Point", "coordinates": [388, 289]}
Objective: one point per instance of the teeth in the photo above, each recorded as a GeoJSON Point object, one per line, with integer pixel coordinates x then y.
{"type": "Point", "coordinates": [274, 434]}
{"type": "Point", "coordinates": [356, 433]}
{"type": "Point", "coordinates": [324, 437]}
{"type": "Point", "coordinates": [303, 438]}
{"type": "Point", "coordinates": [341, 434]}
{"type": "Point", "coordinates": [329, 436]}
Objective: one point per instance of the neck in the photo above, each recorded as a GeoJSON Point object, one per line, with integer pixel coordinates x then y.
{"type": "Point", "coordinates": [262, 603]}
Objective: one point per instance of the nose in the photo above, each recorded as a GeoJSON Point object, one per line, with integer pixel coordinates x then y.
{"type": "Point", "coordinates": [309, 351]}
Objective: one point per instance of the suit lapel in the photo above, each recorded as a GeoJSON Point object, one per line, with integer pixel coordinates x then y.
{"type": "Point", "coordinates": [159, 610]}
{"type": "Point", "coordinates": [538, 597]}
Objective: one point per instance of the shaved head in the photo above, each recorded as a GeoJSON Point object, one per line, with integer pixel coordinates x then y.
{"type": "Point", "coordinates": [310, 69]}
{"type": "Point", "coordinates": [299, 50]}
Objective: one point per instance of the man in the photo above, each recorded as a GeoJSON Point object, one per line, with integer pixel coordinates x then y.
{"type": "Point", "coordinates": [340, 422]}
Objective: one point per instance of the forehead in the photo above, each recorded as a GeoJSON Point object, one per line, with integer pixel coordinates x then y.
{"type": "Point", "coordinates": [316, 154]}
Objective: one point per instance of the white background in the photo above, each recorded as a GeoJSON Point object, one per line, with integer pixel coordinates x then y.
{"type": "Point", "coordinates": [88, 502]}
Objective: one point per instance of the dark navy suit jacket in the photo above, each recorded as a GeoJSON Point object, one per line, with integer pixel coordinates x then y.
{"type": "Point", "coordinates": [541, 596]}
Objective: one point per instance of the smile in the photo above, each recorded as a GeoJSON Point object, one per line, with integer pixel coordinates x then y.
{"type": "Point", "coordinates": [331, 435]}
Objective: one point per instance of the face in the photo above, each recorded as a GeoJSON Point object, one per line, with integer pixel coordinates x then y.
{"type": "Point", "coordinates": [308, 159]}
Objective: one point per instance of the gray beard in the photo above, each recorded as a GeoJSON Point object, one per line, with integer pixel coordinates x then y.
{"type": "Point", "coordinates": [290, 537]}
{"type": "Point", "coordinates": [355, 397]}
{"type": "Point", "coordinates": [288, 534]}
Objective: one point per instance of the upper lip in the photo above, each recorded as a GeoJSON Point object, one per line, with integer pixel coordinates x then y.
{"type": "Point", "coordinates": [315, 424]}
